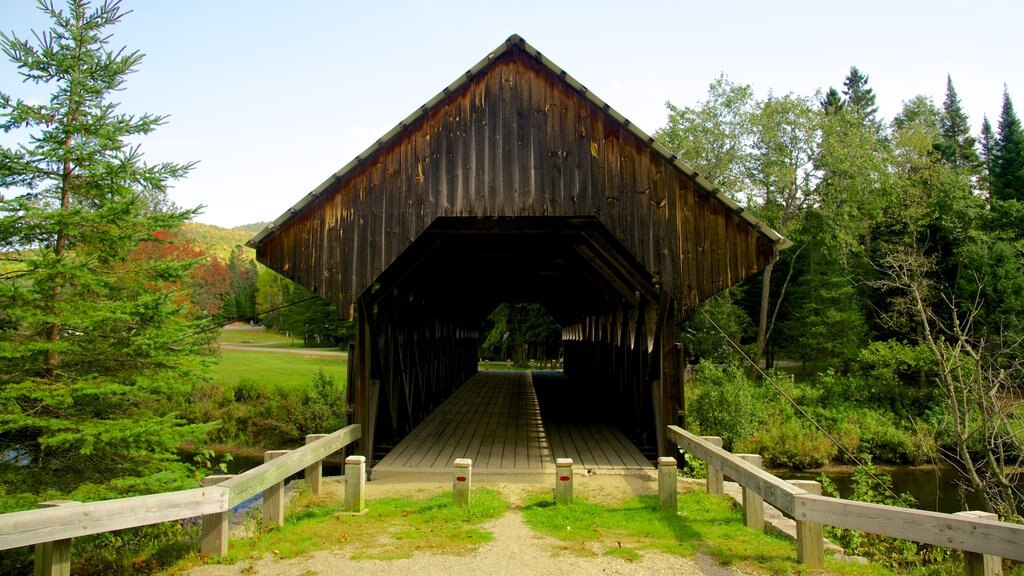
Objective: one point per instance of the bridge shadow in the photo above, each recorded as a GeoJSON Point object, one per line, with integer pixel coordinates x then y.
{"type": "Point", "coordinates": [498, 420]}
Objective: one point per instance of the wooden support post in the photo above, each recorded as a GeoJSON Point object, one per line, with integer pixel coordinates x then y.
{"type": "Point", "coordinates": [714, 473]}
{"type": "Point", "coordinates": [668, 487]}
{"type": "Point", "coordinates": [753, 503]}
{"type": "Point", "coordinates": [315, 471]}
{"type": "Point", "coordinates": [981, 564]}
{"type": "Point", "coordinates": [810, 541]}
{"type": "Point", "coordinates": [462, 482]}
{"type": "Point", "coordinates": [54, 558]}
{"type": "Point", "coordinates": [273, 496]}
{"type": "Point", "coordinates": [355, 484]}
{"type": "Point", "coordinates": [563, 481]}
{"type": "Point", "coordinates": [213, 540]}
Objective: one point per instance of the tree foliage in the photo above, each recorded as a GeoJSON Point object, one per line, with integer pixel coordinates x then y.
{"type": "Point", "coordinates": [1007, 156]}
{"type": "Point", "coordinates": [94, 340]}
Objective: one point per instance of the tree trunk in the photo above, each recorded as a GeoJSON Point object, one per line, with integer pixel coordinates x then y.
{"type": "Point", "coordinates": [53, 329]}
{"type": "Point", "coordinates": [762, 324]}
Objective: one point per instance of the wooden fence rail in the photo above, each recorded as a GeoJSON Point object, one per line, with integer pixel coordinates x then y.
{"type": "Point", "coordinates": [963, 532]}
{"type": "Point", "coordinates": [73, 520]}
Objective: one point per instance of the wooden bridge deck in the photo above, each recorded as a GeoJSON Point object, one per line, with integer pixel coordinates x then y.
{"type": "Point", "coordinates": [495, 419]}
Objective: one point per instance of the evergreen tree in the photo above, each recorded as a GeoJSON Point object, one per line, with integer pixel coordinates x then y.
{"type": "Point", "coordinates": [986, 142]}
{"type": "Point", "coordinates": [957, 146]}
{"type": "Point", "coordinates": [833, 102]}
{"type": "Point", "coordinates": [95, 344]}
{"type": "Point", "coordinates": [1007, 159]}
{"type": "Point", "coordinates": [860, 98]}
{"type": "Point", "coordinates": [244, 274]}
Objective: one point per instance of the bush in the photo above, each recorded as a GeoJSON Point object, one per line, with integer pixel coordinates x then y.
{"type": "Point", "coordinates": [252, 415]}
{"type": "Point", "coordinates": [787, 441]}
{"type": "Point", "coordinates": [725, 403]}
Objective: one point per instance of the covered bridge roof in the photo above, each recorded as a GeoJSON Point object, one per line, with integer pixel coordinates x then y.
{"type": "Point", "coordinates": [516, 183]}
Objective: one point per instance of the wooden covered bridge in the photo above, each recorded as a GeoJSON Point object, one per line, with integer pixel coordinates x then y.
{"type": "Point", "coordinates": [515, 184]}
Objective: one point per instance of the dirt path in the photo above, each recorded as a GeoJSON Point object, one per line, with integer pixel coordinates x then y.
{"type": "Point", "coordinates": [515, 550]}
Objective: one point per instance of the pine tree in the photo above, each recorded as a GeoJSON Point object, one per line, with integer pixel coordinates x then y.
{"type": "Point", "coordinates": [957, 146]}
{"type": "Point", "coordinates": [986, 143]}
{"type": "Point", "coordinates": [95, 344]}
{"type": "Point", "coordinates": [1007, 158]}
{"type": "Point", "coordinates": [860, 98]}
{"type": "Point", "coordinates": [833, 102]}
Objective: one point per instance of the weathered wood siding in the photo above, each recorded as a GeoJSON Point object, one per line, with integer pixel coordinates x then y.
{"type": "Point", "coordinates": [515, 139]}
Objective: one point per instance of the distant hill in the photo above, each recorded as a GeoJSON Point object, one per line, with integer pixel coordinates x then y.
{"type": "Point", "coordinates": [255, 227]}
{"type": "Point", "coordinates": [216, 240]}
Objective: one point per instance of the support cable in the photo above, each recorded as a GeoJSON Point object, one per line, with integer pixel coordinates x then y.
{"type": "Point", "coordinates": [799, 409]}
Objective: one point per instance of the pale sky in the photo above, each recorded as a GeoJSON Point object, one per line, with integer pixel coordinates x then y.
{"type": "Point", "coordinates": [273, 97]}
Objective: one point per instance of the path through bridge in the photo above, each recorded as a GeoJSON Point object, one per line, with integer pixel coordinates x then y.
{"type": "Point", "coordinates": [514, 421]}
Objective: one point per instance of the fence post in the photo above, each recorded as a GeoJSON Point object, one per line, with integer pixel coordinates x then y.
{"type": "Point", "coordinates": [810, 541]}
{"type": "Point", "coordinates": [753, 503]}
{"type": "Point", "coordinates": [54, 558]}
{"type": "Point", "coordinates": [273, 496]}
{"type": "Point", "coordinates": [563, 480]}
{"type": "Point", "coordinates": [315, 471]}
{"type": "Point", "coordinates": [981, 564]}
{"type": "Point", "coordinates": [462, 482]}
{"type": "Point", "coordinates": [355, 483]}
{"type": "Point", "coordinates": [715, 479]}
{"type": "Point", "coordinates": [668, 487]}
{"type": "Point", "coordinates": [213, 540]}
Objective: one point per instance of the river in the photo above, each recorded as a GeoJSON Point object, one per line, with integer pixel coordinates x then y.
{"type": "Point", "coordinates": [935, 488]}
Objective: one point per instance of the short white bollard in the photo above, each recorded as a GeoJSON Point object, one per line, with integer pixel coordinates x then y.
{"type": "Point", "coordinates": [981, 564]}
{"type": "Point", "coordinates": [668, 487]}
{"type": "Point", "coordinates": [355, 484]}
{"type": "Point", "coordinates": [563, 480]}
{"type": "Point", "coordinates": [462, 482]}
{"type": "Point", "coordinates": [273, 496]}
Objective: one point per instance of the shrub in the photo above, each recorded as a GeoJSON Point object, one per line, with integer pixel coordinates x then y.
{"type": "Point", "coordinates": [725, 403]}
{"type": "Point", "coordinates": [786, 441]}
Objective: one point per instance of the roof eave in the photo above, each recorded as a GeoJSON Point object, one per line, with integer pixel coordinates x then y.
{"type": "Point", "coordinates": [515, 40]}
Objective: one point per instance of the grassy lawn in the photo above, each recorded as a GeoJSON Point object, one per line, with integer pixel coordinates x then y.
{"type": "Point", "coordinates": [707, 524]}
{"type": "Point", "coordinates": [242, 335]}
{"type": "Point", "coordinates": [391, 528]}
{"type": "Point", "coordinates": [280, 370]}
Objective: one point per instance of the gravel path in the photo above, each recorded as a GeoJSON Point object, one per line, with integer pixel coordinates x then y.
{"type": "Point", "coordinates": [515, 550]}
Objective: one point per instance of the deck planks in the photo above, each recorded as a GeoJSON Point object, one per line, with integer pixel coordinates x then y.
{"type": "Point", "coordinates": [496, 419]}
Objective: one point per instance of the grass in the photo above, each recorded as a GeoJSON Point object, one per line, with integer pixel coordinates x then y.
{"type": "Point", "coordinates": [259, 337]}
{"type": "Point", "coordinates": [281, 370]}
{"type": "Point", "coordinates": [706, 524]}
{"type": "Point", "coordinates": [391, 528]}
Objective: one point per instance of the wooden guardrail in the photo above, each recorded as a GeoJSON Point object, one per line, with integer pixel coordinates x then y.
{"type": "Point", "coordinates": [47, 526]}
{"type": "Point", "coordinates": [964, 531]}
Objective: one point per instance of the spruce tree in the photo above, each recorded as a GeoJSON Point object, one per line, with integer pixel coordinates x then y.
{"type": "Point", "coordinates": [986, 144]}
{"type": "Point", "coordinates": [833, 102]}
{"type": "Point", "coordinates": [95, 344]}
{"type": "Point", "coordinates": [1007, 175]}
{"type": "Point", "coordinates": [859, 97]}
{"type": "Point", "coordinates": [957, 146]}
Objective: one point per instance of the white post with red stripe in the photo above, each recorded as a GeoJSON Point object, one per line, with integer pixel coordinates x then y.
{"type": "Point", "coordinates": [462, 482]}
{"type": "Point", "coordinates": [563, 481]}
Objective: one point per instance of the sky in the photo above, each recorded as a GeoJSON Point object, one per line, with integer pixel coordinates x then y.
{"type": "Point", "coordinates": [272, 98]}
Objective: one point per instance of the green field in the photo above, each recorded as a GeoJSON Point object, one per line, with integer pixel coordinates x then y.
{"type": "Point", "coordinates": [276, 369]}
